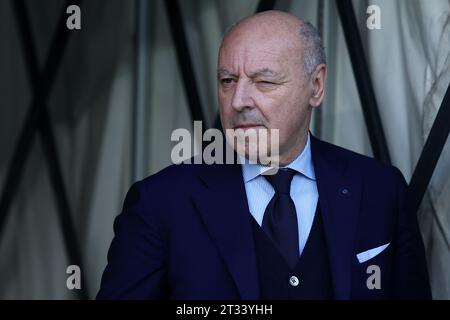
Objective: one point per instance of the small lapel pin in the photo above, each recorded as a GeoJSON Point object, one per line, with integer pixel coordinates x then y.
{"type": "Point", "coordinates": [344, 191]}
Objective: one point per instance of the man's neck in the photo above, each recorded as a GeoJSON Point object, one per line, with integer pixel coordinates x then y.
{"type": "Point", "coordinates": [293, 153]}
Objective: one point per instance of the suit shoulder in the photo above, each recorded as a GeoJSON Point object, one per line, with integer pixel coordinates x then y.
{"type": "Point", "coordinates": [169, 177]}
{"type": "Point", "coordinates": [368, 165]}
{"type": "Point", "coordinates": [158, 190]}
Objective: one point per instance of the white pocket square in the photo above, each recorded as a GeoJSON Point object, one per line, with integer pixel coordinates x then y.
{"type": "Point", "coordinates": [369, 254]}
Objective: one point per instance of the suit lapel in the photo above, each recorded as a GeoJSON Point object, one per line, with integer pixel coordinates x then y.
{"type": "Point", "coordinates": [339, 198]}
{"type": "Point", "coordinates": [224, 210]}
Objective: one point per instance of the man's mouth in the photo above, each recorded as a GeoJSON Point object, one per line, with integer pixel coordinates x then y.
{"type": "Point", "coordinates": [248, 126]}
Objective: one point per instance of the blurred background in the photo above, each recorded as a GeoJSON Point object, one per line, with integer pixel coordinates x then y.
{"type": "Point", "coordinates": [86, 112]}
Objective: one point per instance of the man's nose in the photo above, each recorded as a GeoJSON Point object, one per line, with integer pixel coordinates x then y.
{"type": "Point", "coordinates": [242, 97]}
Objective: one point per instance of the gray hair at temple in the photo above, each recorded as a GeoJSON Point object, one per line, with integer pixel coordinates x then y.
{"type": "Point", "coordinates": [313, 50]}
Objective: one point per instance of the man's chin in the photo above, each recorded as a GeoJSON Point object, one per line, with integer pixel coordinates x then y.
{"type": "Point", "coordinates": [254, 142]}
{"type": "Point", "coordinates": [255, 157]}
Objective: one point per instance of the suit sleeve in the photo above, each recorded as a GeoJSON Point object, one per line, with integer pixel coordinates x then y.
{"type": "Point", "coordinates": [136, 262]}
{"type": "Point", "coordinates": [410, 270]}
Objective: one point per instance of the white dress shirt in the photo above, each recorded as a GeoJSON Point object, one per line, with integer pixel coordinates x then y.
{"type": "Point", "coordinates": [303, 191]}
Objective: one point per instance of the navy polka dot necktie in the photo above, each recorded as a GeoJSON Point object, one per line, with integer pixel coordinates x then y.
{"type": "Point", "coordinates": [280, 217]}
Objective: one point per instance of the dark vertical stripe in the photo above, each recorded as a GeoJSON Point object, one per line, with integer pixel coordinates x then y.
{"type": "Point", "coordinates": [430, 154]}
{"type": "Point", "coordinates": [363, 81]}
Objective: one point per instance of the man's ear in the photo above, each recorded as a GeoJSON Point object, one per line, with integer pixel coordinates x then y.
{"type": "Point", "coordinates": [318, 83]}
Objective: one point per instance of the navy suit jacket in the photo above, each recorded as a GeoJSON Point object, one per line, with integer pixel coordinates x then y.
{"type": "Point", "coordinates": [185, 233]}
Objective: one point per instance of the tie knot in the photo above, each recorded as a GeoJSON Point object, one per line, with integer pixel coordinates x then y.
{"type": "Point", "coordinates": [281, 181]}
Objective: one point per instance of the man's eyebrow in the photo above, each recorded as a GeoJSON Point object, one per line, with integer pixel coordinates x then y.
{"type": "Point", "coordinates": [263, 72]}
{"type": "Point", "coordinates": [225, 72]}
{"type": "Point", "coordinates": [266, 72]}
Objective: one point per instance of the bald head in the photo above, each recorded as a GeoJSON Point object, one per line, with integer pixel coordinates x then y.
{"type": "Point", "coordinates": [274, 21]}
{"type": "Point", "coordinates": [300, 38]}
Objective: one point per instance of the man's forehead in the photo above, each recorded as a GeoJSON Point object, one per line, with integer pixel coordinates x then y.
{"type": "Point", "coordinates": [270, 47]}
{"type": "Point", "coordinates": [254, 61]}
{"type": "Point", "coordinates": [268, 40]}
{"type": "Point", "coordinates": [257, 60]}
{"type": "Point", "coordinates": [265, 47]}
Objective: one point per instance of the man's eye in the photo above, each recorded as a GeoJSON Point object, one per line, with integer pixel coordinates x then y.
{"type": "Point", "coordinates": [266, 82]}
{"type": "Point", "coordinates": [226, 80]}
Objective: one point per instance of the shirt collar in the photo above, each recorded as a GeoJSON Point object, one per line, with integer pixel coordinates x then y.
{"type": "Point", "coordinates": [302, 164]}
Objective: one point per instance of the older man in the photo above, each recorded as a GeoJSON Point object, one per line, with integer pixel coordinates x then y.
{"type": "Point", "coordinates": [330, 224]}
